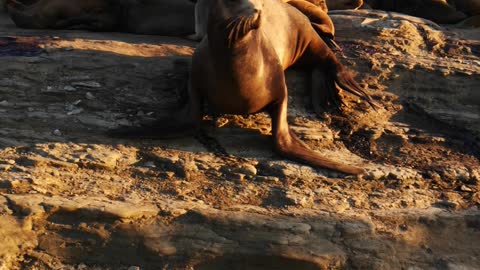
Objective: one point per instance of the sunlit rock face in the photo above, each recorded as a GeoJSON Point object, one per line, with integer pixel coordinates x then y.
{"type": "Point", "coordinates": [433, 67]}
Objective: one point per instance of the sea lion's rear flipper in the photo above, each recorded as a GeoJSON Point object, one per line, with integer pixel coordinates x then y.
{"type": "Point", "coordinates": [324, 94]}
{"type": "Point", "coordinates": [329, 76]}
{"type": "Point", "coordinates": [288, 145]}
{"type": "Point", "coordinates": [345, 81]}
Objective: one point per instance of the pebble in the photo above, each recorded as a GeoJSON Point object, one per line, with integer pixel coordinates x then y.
{"type": "Point", "coordinates": [89, 96]}
{"type": "Point", "coordinates": [246, 169]}
{"type": "Point", "coordinates": [75, 111]}
{"type": "Point", "coordinates": [293, 198]}
{"type": "Point", "coordinates": [355, 229]}
{"type": "Point", "coordinates": [446, 204]}
{"type": "Point", "coordinates": [150, 164]}
{"type": "Point", "coordinates": [57, 132]}
{"type": "Point", "coordinates": [375, 174]}
{"type": "Point", "coordinates": [237, 177]}
{"type": "Point", "coordinates": [277, 168]}
{"type": "Point", "coordinates": [69, 88]}
{"type": "Point", "coordinates": [262, 178]}
{"type": "Point", "coordinates": [3, 103]}
{"type": "Point", "coordinates": [90, 84]}
{"type": "Point", "coordinates": [5, 167]}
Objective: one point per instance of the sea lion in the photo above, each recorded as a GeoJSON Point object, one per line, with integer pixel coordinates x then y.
{"type": "Point", "coordinates": [202, 8]}
{"type": "Point", "coordinates": [325, 5]}
{"type": "Point", "coordinates": [439, 11]}
{"type": "Point", "coordinates": [238, 68]}
{"type": "Point", "coordinates": [471, 22]}
{"type": "Point", "coordinates": [162, 17]}
{"type": "Point", "coordinates": [469, 7]}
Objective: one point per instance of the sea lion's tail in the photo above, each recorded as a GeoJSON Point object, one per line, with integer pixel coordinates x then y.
{"type": "Point", "coordinates": [345, 81]}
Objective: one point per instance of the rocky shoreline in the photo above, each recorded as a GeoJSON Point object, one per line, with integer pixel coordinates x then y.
{"type": "Point", "coordinates": [72, 198]}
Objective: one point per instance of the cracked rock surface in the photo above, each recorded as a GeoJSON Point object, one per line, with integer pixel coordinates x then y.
{"type": "Point", "coordinates": [73, 198]}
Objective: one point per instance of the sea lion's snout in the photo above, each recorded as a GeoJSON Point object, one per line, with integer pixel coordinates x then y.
{"type": "Point", "coordinates": [257, 21]}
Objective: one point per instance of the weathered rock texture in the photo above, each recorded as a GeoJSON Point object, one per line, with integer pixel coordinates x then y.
{"type": "Point", "coordinates": [72, 198]}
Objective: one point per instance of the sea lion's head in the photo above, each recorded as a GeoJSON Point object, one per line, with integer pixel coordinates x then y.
{"type": "Point", "coordinates": [236, 18]}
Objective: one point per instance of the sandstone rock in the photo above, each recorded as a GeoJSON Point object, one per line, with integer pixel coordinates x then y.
{"type": "Point", "coordinates": [103, 158]}
{"type": "Point", "coordinates": [293, 198]}
{"type": "Point", "coordinates": [16, 237]}
{"type": "Point", "coordinates": [423, 49]}
{"type": "Point", "coordinates": [355, 229]}
{"type": "Point", "coordinates": [88, 207]}
{"type": "Point", "coordinates": [69, 88]}
{"type": "Point", "coordinates": [87, 84]}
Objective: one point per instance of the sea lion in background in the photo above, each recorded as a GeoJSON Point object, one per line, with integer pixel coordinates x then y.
{"type": "Point", "coordinates": [469, 7]}
{"type": "Point", "coordinates": [473, 21]}
{"type": "Point", "coordinates": [201, 18]}
{"type": "Point", "coordinates": [335, 4]}
{"type": "Point", "coordinates": [63, 14]}
{"type": "Point", "coordinates": [319, 19]}
{"type": "Point", "coordinates": [439, 11]}
{"type": "Point", "coordinates": [162, 17]}
{"type": "Point", "coordinates": [239, 69]}
{"type": "Point", "coordinates": [343, 4]}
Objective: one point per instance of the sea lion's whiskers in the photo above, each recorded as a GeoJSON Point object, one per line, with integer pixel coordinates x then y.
{"type": "Point", "coordinates": [238, 27]}
{"type": "Point", "coordinates": [231, 28]}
